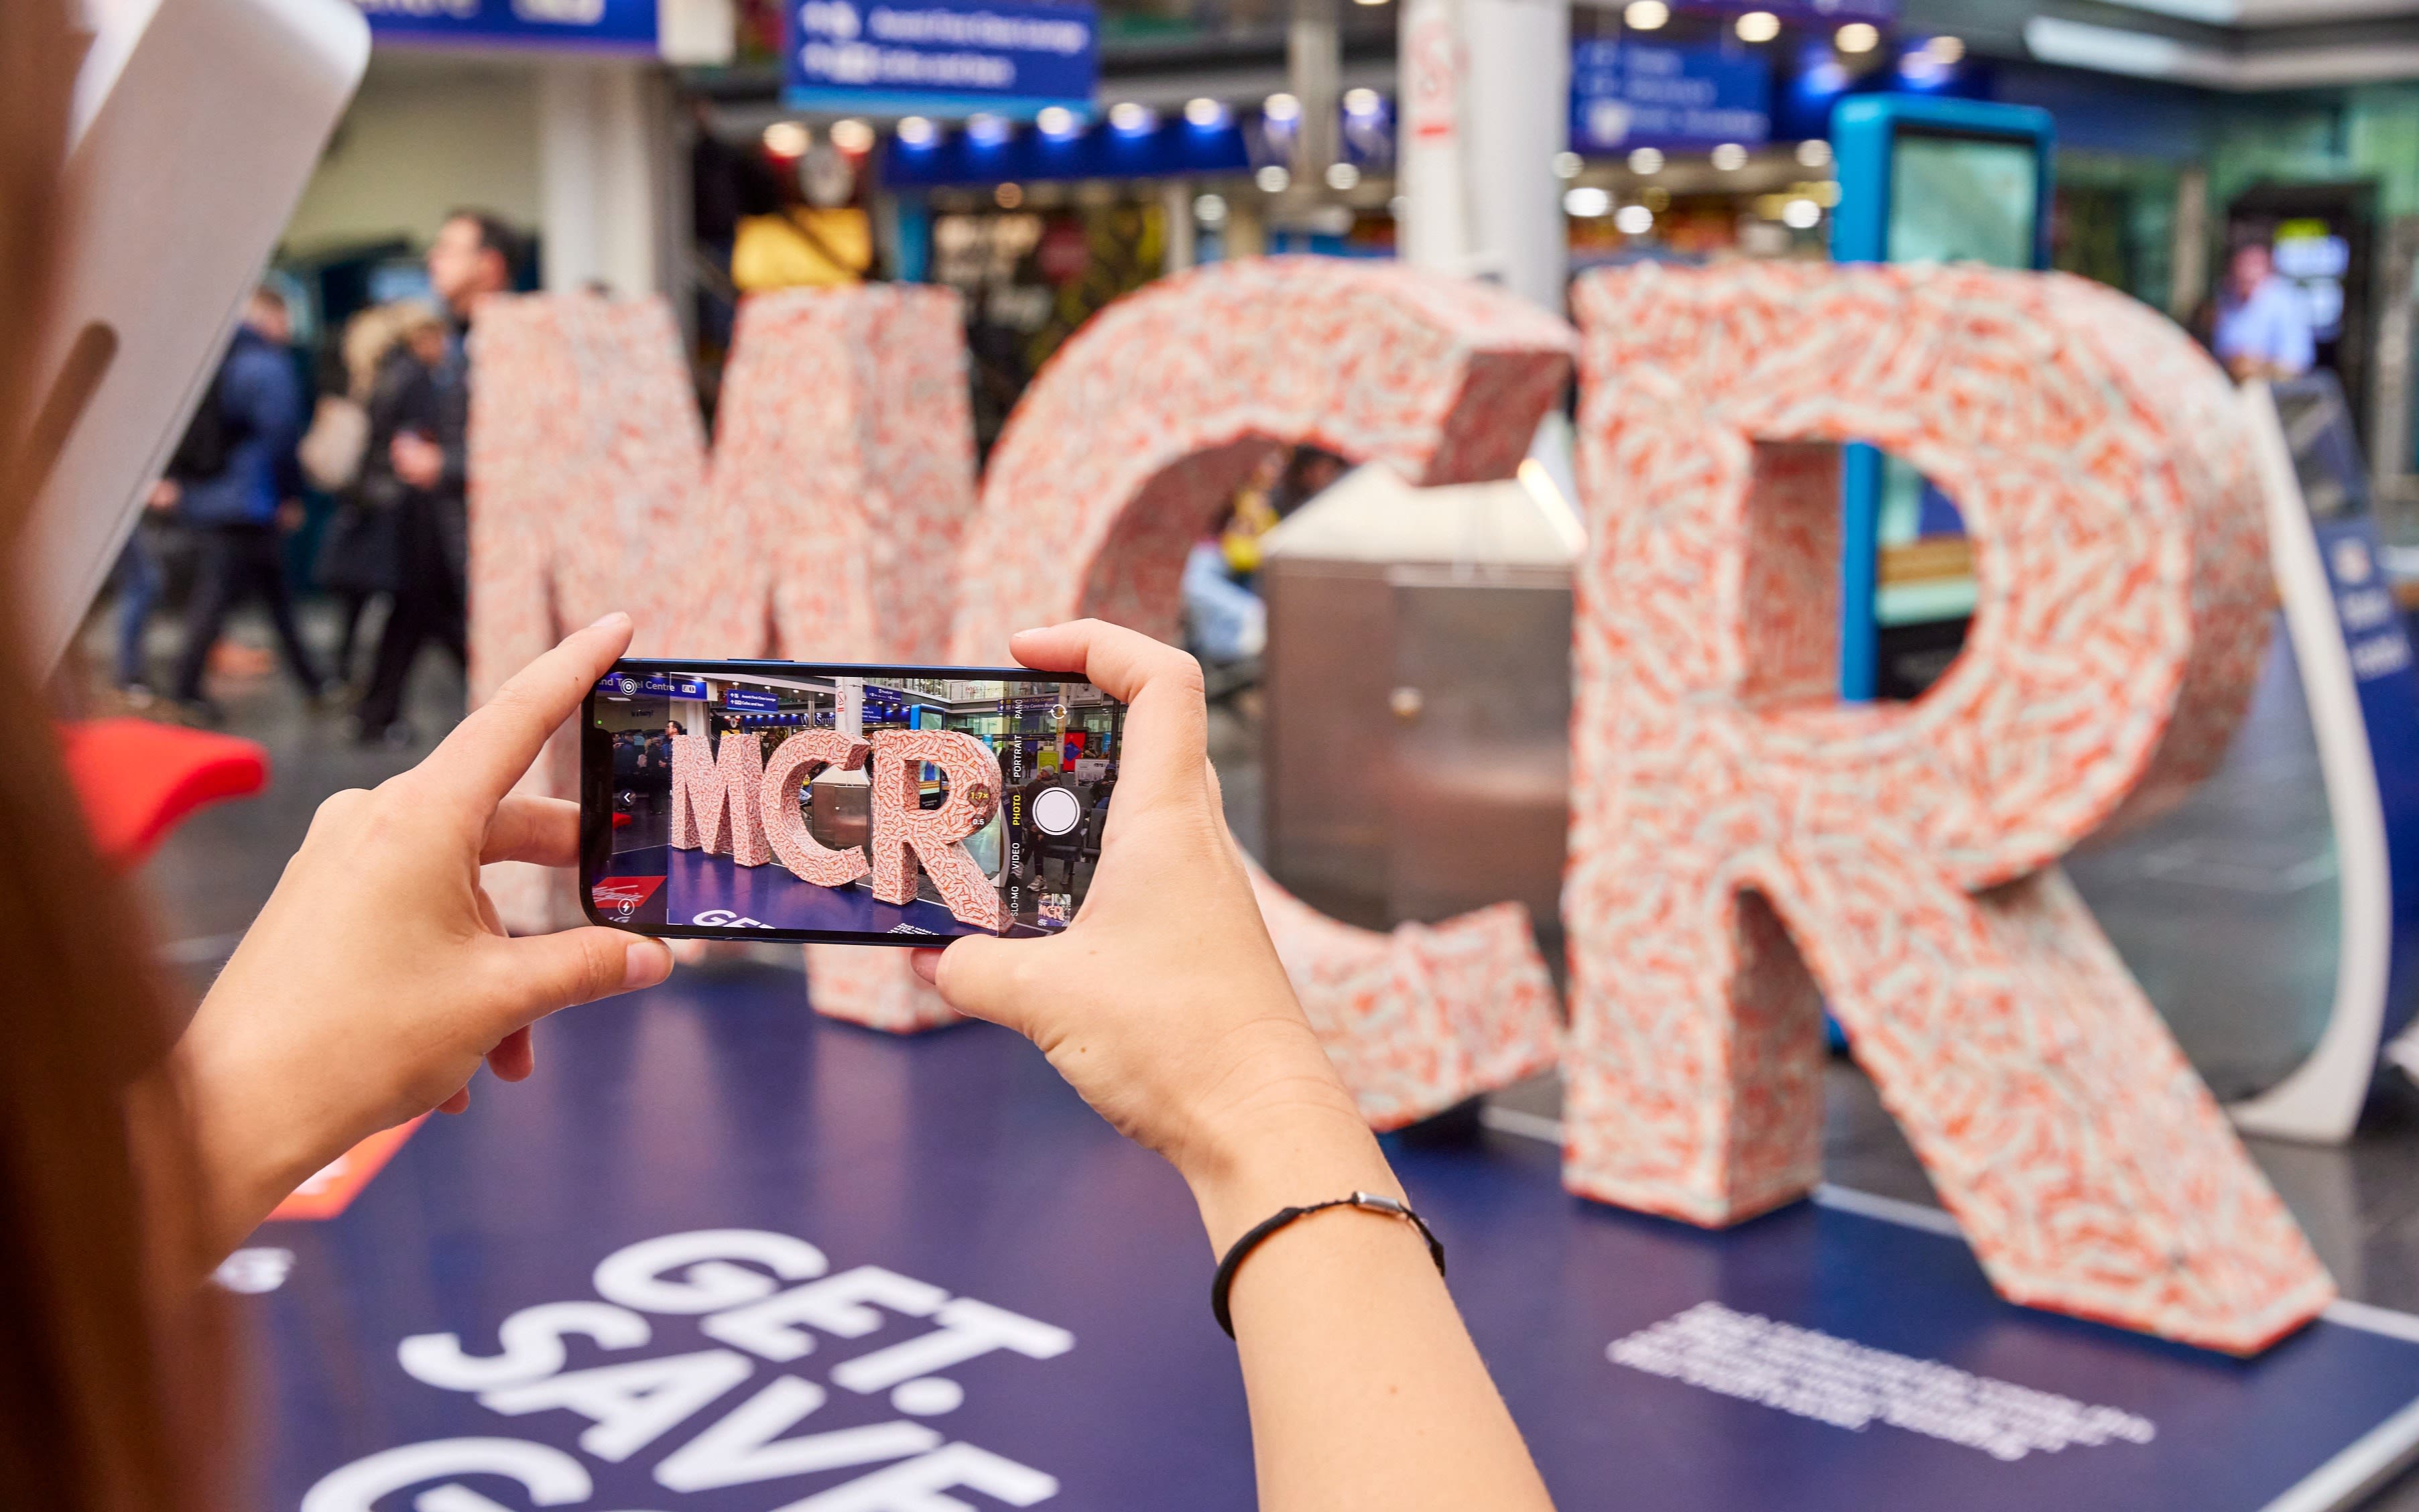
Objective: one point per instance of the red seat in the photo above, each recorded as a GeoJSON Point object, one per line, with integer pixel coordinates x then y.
{"type": "Point", "coordinates": [137, 780]}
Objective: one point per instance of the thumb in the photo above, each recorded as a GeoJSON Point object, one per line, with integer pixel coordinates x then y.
{"type": "Point", "coordinates": [983, 977]}
{"type": "Point", "coordinates": [579, 965]}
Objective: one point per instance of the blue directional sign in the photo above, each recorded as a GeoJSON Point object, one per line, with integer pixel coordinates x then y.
{"type": "Point", "coordinates": [1629, 94]}
{"type": "Point", "coordinates": [941, 57]}
{"type": "Point", "coordinates": [564, 25]}
{"type": "Point", "coordinates": [669, 684]}
{"type": "Point", "coordinates": [751, 700]}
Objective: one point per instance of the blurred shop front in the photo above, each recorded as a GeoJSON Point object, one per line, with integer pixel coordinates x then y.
{"type": "Point", "coordinates": [560, 118]}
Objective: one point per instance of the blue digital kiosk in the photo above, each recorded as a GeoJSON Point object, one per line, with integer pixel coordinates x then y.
{"type": "Point", "coordinates": [1922, 179]}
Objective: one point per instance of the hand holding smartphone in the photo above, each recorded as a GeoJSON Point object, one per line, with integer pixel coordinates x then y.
{"type": "Point", "coordinates": [756, 800]}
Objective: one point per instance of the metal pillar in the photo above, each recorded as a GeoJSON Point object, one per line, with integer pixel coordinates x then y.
{"type": "Point", "coordinates": [1483, 98]}
{"type": "Point", "coordinates": [605, 156]}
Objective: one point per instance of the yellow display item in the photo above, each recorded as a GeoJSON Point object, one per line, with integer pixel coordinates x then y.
{"type": "Point", "coordinates": [802, 248]}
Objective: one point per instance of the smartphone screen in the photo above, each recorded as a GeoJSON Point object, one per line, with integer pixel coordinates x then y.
{"type": "Point", "coordinates": [870, 805]}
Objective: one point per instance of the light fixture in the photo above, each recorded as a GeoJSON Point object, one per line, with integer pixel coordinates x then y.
{"type": "Point", "coordinates": [1130, 119]}
{"type": "Point", "coordinates": [1921, 70]}
{"type": "Point", "coordinates": [1209, 210]}
{"type": "Point", "coordinates": [788, 139]}
{"type": "Point", "coordinates": [1363, 103]}
{"type": "Point", "coordinates": [916, 132]}
{"type": "Point", "coordinates": [1633, 219]}
{"type": "Point", "coordinates": [1586, 201]}
{"type": "Point", "coordinates": [1814, 152]}
{"type": "Point", "coordinates": [851, 135]}
{"type": "Point", "coordinates": [1801, 215]}
{"type": "Point", "coordinates": [1055, 121]}
{"type": "Point", "coordinates": [1009, 196]}
{"type": "Point", "coordinates": [1274, 178]}
{"type": "Point", "coordinates": [1729, 157]}
{"type": "Point", "coordinates": [1342, 176]}
{"type": "Point", "coordinates": [1204, 112]}
{"type": "Point", "coordinates": [1281, 108]}
{"type": "Point", "coordinates": [1949, 50]}
{"type": "Point", "coordinates": [1399, 205]}
{"type": "Point", "coordinates": [1856, 36]}
{"type": "Point", "coordinates": [1757, 27]}
{"type": "Point", "coordinates": [1643, 160]}
{"type": "Point", "coordinates": [1645, 15]}
{"type": "Point", "coordinates": [986, 130]}
{"type": "Point", "coordinates": [1567, 164]}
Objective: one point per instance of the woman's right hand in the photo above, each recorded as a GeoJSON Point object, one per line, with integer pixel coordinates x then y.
{"type": "Point", "coordinates": [1163, 1003]}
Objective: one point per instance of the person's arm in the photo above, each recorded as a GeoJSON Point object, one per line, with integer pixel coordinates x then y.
{"type": "Point", "coordinates": [1165, 1006]}
{"type": "Point", "coordinates": [378, 977]}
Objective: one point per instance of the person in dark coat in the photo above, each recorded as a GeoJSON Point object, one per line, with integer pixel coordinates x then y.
{"type": "Point", "coordinates": [474, 257]}
{"type": "Point", "coordinates": [258, 404]}
{"type": "Point", "coordinates": [390, 353]}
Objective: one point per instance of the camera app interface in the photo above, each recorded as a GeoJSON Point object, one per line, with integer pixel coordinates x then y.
{"type": "Point", "coordinates": [789, 800]}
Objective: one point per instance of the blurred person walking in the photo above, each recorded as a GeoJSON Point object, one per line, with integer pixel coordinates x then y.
{"type": "Point", "coordinates": [390, 354]}
{"type": "Point", "coordinates": [475, 256]}
{"type": "Point", "coordinates": [142, 576]}
{"type": "Point", "coordinates": [256, 404]}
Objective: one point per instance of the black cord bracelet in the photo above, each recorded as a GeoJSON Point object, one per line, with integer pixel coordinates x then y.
{"type": "Point", "coordinates": [1241, 1249]}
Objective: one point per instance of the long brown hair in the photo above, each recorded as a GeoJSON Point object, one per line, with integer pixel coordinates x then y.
{"type": "Point", "coordinates": [110, 1360]}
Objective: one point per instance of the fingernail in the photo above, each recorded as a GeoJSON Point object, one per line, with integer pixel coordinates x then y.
{"type": "Point", "coordinates": [644, 964]}
{"type": "Point", "coordinates": [605, 620]}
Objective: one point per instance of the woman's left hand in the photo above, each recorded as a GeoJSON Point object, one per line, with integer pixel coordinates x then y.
{"type": "Point", "coordinates": [378, 977]}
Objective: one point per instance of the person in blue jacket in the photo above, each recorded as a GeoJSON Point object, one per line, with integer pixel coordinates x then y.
{"type": "Point", "coordinates": [256, 405]}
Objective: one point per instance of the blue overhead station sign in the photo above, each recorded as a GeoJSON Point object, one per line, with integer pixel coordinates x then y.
{"type": "Point", "coordinates": [1630, 94]}
{"type": "Point", "coordinates": [566, 25]}
{"type": "Point", "coordinates": [751, 700]}
{"type": "Point", "coordinates": [941, 57]}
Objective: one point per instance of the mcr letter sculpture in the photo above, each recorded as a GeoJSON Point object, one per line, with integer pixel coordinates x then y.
{"type": "Point", "coordinates": [738, 805]}
{"type": "Point", "coordinates": [1731, 819]}
{"type": "Point", "coordinates": [1743, 848]}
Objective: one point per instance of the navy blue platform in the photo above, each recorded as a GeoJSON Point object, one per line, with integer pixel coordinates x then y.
{"type": "Point", "coordinates": [701, 887]}
{"type": "Point", "coordinates": [960, 1161]}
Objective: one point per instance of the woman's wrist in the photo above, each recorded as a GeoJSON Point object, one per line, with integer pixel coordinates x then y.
{"type": "Point", "coordinates": [1290, 1156]}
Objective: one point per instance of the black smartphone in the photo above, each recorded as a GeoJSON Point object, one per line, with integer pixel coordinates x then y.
{"type": "Point", "coordinates": [781, 800]}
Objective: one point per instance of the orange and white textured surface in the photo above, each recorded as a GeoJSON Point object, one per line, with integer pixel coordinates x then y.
{"type": "Point", "coordinates": [844, 436]}
{"type": "Point", "coordinates": [1132, 442]}
{"type": "Point", "coordinates": [1400, 1013]}
{"type": "Point", "coordinates": [794, 764]}
{"type": "Point", "coordinates": [1130, 446]}
{"type": "Point", "coordinates": [716, 803]}
{"type": "Point", "coordinates": [907, 835]}
{"type": "Point", "coordinates": [1730, 820]}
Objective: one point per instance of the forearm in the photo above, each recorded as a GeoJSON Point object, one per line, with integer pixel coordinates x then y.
{"type": "Point", "coordinates": [1364, 1388]}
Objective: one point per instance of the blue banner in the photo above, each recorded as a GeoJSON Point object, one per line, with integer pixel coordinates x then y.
{"type": "Point", "coordinates": [1819, 13]}
{"type": "Point", "coordinates": [941, 57]}
{"type": "Point", "coordinates": [752, 700]}
{"type": "Point", "coordinates": [568, 26]}
{"type": "Point", "coordinates": [1629, 94]}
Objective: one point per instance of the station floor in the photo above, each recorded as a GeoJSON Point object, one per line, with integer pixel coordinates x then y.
{"type": "Point", "coordinates": [2225, 909]}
